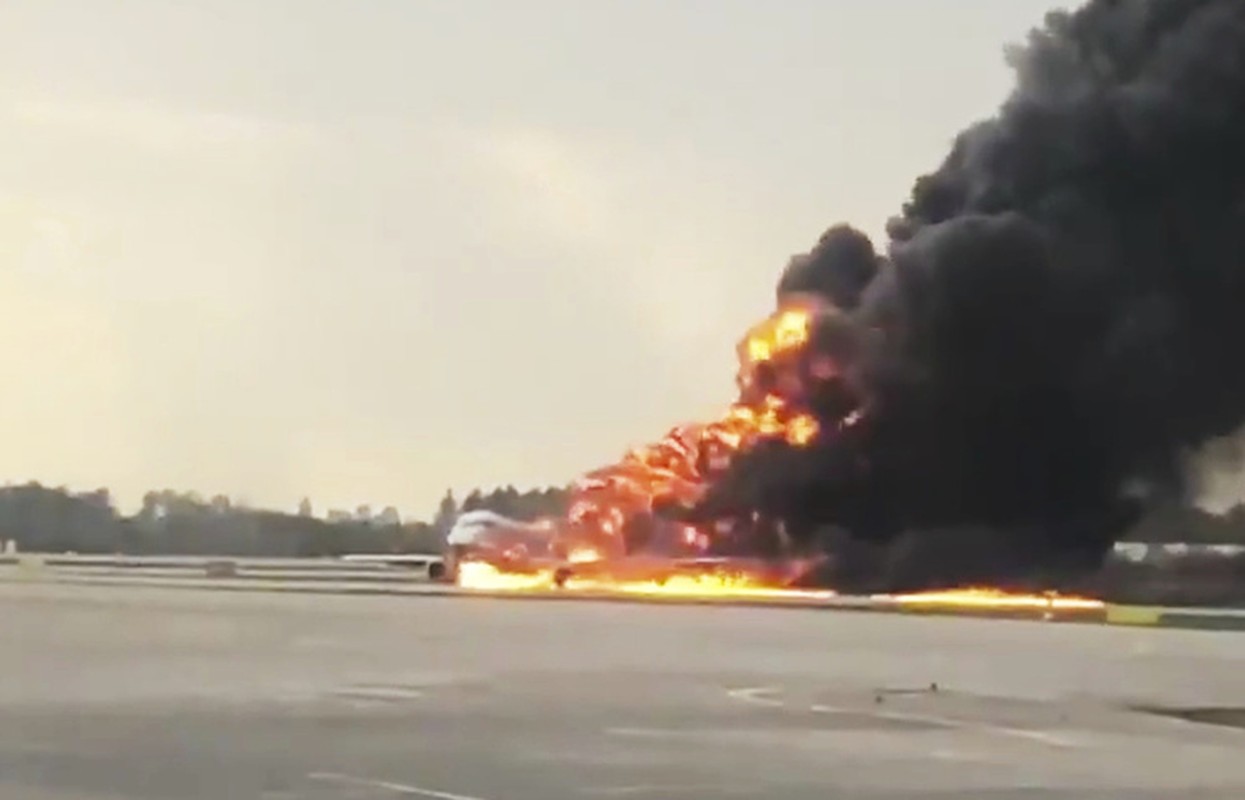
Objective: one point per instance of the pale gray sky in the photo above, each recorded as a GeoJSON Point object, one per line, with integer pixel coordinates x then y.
{"type": "Point", "coordinates": [363, 251]}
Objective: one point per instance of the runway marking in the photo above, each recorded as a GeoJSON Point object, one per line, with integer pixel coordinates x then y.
{"type": "Point", "coordinates": [652, 733]}
{"type": "Point", "coordinates": [661, 789]}
{"type": "Point", "coordinates": [756, 695]}
{"type": "Point", "coordinates": [343, 779]}
{"type": "Point", "coordinates": [378, 693]}
{"type": "Point", "coordinates": [950, 723]}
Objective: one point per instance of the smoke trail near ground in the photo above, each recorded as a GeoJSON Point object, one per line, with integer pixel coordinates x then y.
{"type": "Point", "coordinates": [1058, 318]}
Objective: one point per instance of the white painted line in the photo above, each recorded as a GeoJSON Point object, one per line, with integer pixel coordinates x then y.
{"type": "Point", "coordinates": [950, 723]}
{"type": "Point", "coordinates": [397, 788]}
{"type": "Point", "coordinates": [756, 695]}
{"type": "Point", "coordinates": [379, 693]}
{"type": "Point", "coordinates": [653, 733]}
{"type": "Point", "coordinates": [670, 788]}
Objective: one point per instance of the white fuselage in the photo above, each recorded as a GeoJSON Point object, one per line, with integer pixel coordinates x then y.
{"type": "Point", "coordinates": [489, 536]}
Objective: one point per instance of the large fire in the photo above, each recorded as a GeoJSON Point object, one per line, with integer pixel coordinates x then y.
{"type": "Point", "coordinates": [610, 540]}
{"type": "Point", "coordinates": [608, 504]}
{"type": "Point", "coordinates": [610, 516]}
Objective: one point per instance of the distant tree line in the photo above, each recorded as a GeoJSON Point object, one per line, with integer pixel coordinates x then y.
{"type": "Point", "coordinates": [45, 519]}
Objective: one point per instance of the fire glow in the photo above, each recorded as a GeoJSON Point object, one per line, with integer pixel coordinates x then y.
{"type": "Point", "coordinates": [594, 555]}
{"type": "Point", "coordinates": [995, 599]}
{"type": "Point", "coordinates": [678, 467]}
{"type": "Point", "coordinates": [481, 576]}
{"type": "Point", "coordinates": [612, 514]}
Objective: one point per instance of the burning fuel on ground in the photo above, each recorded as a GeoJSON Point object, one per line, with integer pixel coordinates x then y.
{"type": "Point", "coordinates": [1057, 319]}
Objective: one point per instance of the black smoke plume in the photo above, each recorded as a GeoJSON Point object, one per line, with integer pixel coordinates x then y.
{"type": "Point", "coordinates": [1058, 316]}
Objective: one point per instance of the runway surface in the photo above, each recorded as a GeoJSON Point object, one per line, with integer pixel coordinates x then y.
{"type": "Point", "coordinates": [109, 693]}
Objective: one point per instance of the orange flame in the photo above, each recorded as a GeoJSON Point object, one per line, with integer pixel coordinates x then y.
{"type": "Point", "coordinates": [678, 466]}
{"type": "Point", "coordinates": [772, 377]}
{"type": "Point", "coordinates": [776, 370]}
{"type": "Point", "coordinates": [995, 599]}
{"type": "Point", "coordinates": [482, 576]}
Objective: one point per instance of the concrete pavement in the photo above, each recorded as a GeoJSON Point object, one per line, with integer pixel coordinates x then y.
{"type": "Point", "coordinates": [111, 692]}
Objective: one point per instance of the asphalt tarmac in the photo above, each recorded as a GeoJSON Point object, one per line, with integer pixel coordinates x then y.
{"type": "Point", "coordinates": [111, 693]}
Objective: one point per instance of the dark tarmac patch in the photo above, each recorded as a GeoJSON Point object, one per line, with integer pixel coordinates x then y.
{"type": "Point", "coordinates": [1224, 716]}
{"type": "Point", "coordinates": [899, 691]}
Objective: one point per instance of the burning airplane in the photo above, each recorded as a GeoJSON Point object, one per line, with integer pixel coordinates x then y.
{"type": "Point", "coordinates": [1055, 323]}
{"type": "Point", "coordinates": [621, 527]}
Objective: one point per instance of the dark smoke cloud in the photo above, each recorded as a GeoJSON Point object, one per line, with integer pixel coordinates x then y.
{"type": "Point", "coordinates": [839, 268]}
{"type": "Point", "coordinates": [1060, 312]}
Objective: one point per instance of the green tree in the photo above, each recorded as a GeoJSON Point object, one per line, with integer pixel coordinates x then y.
{"type": "Point", "coordinates": [447, 512]}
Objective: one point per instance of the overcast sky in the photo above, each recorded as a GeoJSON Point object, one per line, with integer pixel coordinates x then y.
{"type": "Point", "coordinates": [364, 251]}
